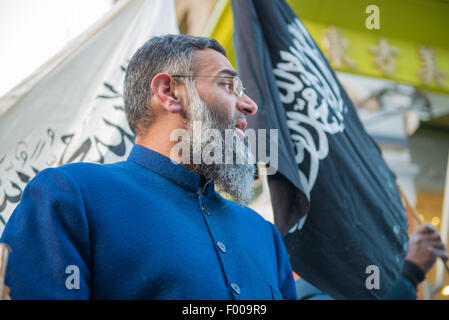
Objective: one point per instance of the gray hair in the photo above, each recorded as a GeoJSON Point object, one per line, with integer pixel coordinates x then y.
{"type": "Point", "coordinates": [171, 54]}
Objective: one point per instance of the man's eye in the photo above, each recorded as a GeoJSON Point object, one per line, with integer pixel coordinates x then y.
{"type": "Point", "coordinates": [227, 85]}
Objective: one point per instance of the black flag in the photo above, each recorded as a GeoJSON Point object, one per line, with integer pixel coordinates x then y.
{"type": "Point", "coordinates": [332, 182]}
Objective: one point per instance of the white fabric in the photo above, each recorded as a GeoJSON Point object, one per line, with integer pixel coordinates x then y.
{"type": "Point", "coordinates": [71, 109]}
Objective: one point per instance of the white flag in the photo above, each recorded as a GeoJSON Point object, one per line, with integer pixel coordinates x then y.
{"type": "Point", "coordinates": [71, 109]}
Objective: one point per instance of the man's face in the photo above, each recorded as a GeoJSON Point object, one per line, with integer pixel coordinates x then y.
{"type": "Point", "coordinates": [213, 103]}
{"type": "Point", "coordinates": [218, 93]}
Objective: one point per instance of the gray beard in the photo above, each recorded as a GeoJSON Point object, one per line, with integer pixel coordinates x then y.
{"type": "Point", "coordinates": [236, 179]}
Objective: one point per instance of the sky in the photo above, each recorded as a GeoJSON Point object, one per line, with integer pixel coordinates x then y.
{"type": "Point", "coordinates": [32, 31]}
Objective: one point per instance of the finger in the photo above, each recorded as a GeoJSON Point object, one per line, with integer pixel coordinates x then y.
{"type": "Point", "coordinates": [438, 245]}
{"type": "Point", "coordinates": [426, 239]}
{"type": "Point", "coordinates": [432, 237]}
{"type": "Point", "coordinates": [439, 253]}
{"type": "Point", "coordinates": [425, 228]}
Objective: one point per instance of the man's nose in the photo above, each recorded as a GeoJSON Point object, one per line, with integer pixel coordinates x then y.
{"type": "Point", "coordinates": [246, 105]}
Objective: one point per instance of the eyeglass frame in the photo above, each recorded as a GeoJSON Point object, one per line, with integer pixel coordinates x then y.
{"type": "Point", "coordinates": [235, 82]}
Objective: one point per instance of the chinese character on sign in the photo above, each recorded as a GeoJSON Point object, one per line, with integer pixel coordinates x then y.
{"type": "Point", "coordinates": [335, 45]}
{"type": "Point", "coordinates": [429, 72]}
{"type": "Point", "coordinates": [385, 56]}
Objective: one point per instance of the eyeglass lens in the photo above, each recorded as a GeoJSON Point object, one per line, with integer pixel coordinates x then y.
{"type": "Point", "coordinates": [238, 87]}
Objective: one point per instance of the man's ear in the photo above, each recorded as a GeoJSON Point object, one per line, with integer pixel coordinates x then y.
{"type": "Point", "coordinates": [163, 88]}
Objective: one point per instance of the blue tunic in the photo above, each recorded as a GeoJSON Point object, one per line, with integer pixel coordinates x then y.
{"type": "Point", "coordinates": [144, 228]}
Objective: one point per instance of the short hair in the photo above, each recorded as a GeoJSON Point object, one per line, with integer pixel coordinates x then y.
{"type": "Point", "coordinates": [170, 54]}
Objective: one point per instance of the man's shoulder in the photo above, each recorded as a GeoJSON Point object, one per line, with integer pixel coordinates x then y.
{"type": "Point", "coordinates": [79, 172]}
{"type": "Point", "coordinates": [91, 167]}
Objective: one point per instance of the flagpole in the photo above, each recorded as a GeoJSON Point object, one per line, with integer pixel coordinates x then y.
{"type": "Point", "coordinates": [409, 206]}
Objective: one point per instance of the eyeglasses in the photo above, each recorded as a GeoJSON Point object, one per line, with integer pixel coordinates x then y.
{"type": "Point", "coordinates": [236, 82]}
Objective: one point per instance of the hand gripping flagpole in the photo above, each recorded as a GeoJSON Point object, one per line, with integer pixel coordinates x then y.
{"type": "Point", "coordinates": [417, 218]}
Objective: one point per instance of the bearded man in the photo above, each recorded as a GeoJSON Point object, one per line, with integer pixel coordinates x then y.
{"type": "Point", "coordinates": [153, 227]}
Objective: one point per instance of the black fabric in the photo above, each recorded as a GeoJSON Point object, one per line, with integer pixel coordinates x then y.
{"type": "Point", "coordinates": [412, 272]}
{"type": "Point", "coordinates": [203, 181]}
{"type": "Point", "coordinates": [355, 216]}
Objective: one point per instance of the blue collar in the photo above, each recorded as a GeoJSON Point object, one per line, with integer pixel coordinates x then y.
{"type": "Point", "coordinates": [170, 170]}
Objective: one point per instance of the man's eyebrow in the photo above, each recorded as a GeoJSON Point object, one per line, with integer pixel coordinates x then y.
{"type": "Point", "coordinates": [229, 72]}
